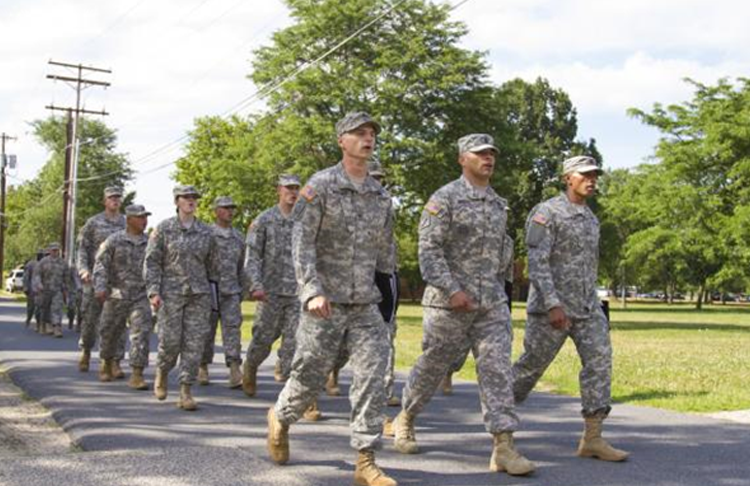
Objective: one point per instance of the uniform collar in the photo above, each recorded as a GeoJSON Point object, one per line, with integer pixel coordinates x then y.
{"type": "Point", "coordinates": [471, 192]}
{"type": "Point", "coordinates": [343, 181]}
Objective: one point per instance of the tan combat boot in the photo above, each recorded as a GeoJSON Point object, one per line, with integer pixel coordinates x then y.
{"type": "Point", "coordinates": [387, 427]}
{"type": "Point", "coordinates": [277, 375]}
{"type": "Point", "coordinates": [367, 473]}
{"type": "Point", "coordinates": [506, 458]}
{"type": "Point", "coordinates": [593, 445]}
{"type": "Point", "coordinates": [404, 437]}
{"type": "Point", "coordinates": [117, 372]}
{"type": "Point", "coordinates": [84, 360]}
{"type": "Point", "coordinates": [278, 439]}
{"type": "Point", "coordinates": [48, 328]}
{"type": "Point", "coordinates": [136, 380]}
{"type": "Point", "coordinates": [312, 413]}
{"type": "Point", "coordinates": [105, 370]}
{"type": "Point", "coordinates": [57, 331]}
{"type": "Point", "coordinates": [186, 401]}
{"type": "Point", "coordinates": [160, 385]}
{"type": "Point", "coordinates": [249, 379]}
{"type": "Point", "coordinates": [394, 401]}
{"type": "Point", "coordinates": [332, 384]}
{"type": "Point", "coordinates": [42, 328]}
{"type": "Point", "coordinates": [203, 375]}
{"type": "Point", "coordinates": [235, 375]}
{"type": "Point", "coordinates": [447, 384]}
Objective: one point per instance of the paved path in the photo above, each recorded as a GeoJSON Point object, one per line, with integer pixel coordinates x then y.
{"type": "Point", "coordinates": [128, 438]}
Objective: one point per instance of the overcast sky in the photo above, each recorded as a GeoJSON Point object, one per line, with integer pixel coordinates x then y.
{"type": "Point", "coordinates": [173, 61]}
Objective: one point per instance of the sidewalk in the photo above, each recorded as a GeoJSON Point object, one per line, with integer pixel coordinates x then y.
{"type": "Point", "coordinates": [128, 438]}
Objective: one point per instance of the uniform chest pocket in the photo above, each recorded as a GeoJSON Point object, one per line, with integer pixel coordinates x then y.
{"type": "Point", "coordinates": [467, 217]}
{"type": "Point", "coordinates": [334, 215]}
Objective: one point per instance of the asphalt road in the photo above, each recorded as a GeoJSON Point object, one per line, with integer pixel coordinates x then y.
{"type": "Point", "coordinates": [127, 438]}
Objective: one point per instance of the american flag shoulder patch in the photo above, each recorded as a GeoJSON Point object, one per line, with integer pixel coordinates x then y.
{"type": "Point", "coordinates": [539, 218]}
{"type": "Point", "coordinates": [308, 193]}
{"type": "Point", "coordinates": [433, 208]}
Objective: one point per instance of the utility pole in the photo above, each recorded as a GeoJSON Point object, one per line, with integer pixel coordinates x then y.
{"type": "Point", "coordinates": [4, 137]}
{"type": "Point", "coordinates": [72, 148]}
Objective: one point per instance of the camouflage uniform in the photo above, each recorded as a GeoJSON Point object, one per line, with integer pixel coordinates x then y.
{"type": "Point", "coordinates": [28, 288]}
{"type": "Point", "coordinates": [91, 236]}
{"type": "Point", "coordinates": [51, 280]}
{"type": "Point", "coordinates": [270, 268]}
{"type": "Point", "coordinates": [178, 266]}
{"type": "Point", "coordinates": [119, 271]}
{"type": "Point", "coordinates": [508, 274]}
{"type": "Point", "coordinates": [231, 251]}
{"type": "Point", "coordinates": [342, 234]}
{"type": "Point", "coordinates": [75, 298]}
{"type": "Point", "coordinates": [563, 249]}
{"type": "Point", "coordinates": [461, 248]}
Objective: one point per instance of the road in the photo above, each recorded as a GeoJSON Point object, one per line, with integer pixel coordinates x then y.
{"type": "Point", "coordinates": [127, 438]}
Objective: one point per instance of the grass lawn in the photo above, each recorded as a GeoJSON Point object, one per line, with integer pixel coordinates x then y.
{"type": "Point", "coordinates": [671, 357]}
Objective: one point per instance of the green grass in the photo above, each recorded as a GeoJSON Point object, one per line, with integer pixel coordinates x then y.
{"type": "Point", "coordinates": [665, 356]}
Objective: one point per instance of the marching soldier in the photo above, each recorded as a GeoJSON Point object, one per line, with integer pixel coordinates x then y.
{"type": "Point", "coordinates": [461, 248]}
{"type": "Point", "coordinates": [93, 234]}
{"type": "Point", "coordinates": [119, 285]}
{"type": "Point", "coordinates": [270, 270]}
{"type": "Point", "coordinates": [343, 233]}
{"type": "Point", "coordinates": [180, 268]}
{"type": "Point", "coordinates": [562, 235]}
{"type": "Point", "coordinates": [28, 273]}
{"type": "Point", "coordinates": [51, 280]}
{"type": "Point", "coordinates": [232, 285]}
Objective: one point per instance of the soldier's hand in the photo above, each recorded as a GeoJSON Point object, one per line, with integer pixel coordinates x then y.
{"type": "Point", "coordinates": [155, 302]}
{"type": "Point", "coordinates": [319, 306]}
{"type": "Point", "coordinates": [85, 276]}
{"type": "Point", "coordinates": [101, 296]}
{"type": "Point", "coordinates": [258, 295]}
{"type": "Point", "coordinates": [461, 302]}
{"type": "Point", "coordinates": [558, 319]}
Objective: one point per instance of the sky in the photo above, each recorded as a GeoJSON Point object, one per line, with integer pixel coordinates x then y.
{"type": "Point", "coordinates": [175, 60]}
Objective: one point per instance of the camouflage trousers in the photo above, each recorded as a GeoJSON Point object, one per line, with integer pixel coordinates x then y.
{"type": "Point", "coordinates": [318, 343]}
{"type": "Point", "coordinates": [32, 310]}
{"type": "Point", "coordinates": [277, 317]}
{"type": "Point", "coordinates": [390, 378]}
{"type": "Point", "coordinates": [541, 345]}
{"type": "Point", "coordinates": [230, 313]}
{"type": "Point", "coordinates": [116, 315]}
{"type": "Point", "coordinates": [183, 330]}
{"type": "Point", "coordinates": [52, 307]}
{"type": "Point", "coordinates": [74, 307]}
{"type": "Point", "coordinates": [92, 313]}
{"type": "Point", "coordinates": [446, 335]}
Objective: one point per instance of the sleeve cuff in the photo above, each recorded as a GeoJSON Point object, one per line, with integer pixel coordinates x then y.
{"type": "Point", "coordinates": [309, 291]}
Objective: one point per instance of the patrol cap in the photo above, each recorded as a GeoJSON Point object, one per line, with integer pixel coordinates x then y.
{"type": "Point", "coordinates": [289, 180]}
{"type": "Point", "coordinates": [53, 246]}
{"type": "Point", "coordinates": [374, 167]}
{"type": "Point", "coordinates": [112, 191]}
{"type": "Point", "coordinates": [182, 190]}
{"type": "Point", "coordinates": [580, 164]}
{"type": "Point", "coordinates": [224, 202]}
{"type": "Point", "coordinates": [136, 210]}
{"type": "Point", "coordinates": [476, 142]}
{"type": "Point", "coordinates": [354, 120]}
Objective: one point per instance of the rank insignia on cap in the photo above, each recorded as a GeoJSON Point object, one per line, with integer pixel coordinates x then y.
{"type": "Point", "coordinates": [308, 193]}
{"type": "Point", "coordinates": [433, 208]}
{"type": "Point", "coordinates": [539, 219]}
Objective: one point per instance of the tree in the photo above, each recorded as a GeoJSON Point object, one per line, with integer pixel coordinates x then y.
{"type": "Point", "coordinates": [35, 207]}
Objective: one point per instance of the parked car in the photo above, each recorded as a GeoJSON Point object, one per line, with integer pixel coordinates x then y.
{"type": "Point", "coordinates": [14, 282]}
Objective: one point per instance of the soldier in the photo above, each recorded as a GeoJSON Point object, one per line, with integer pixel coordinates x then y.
{"type": "Point", "coordinates": [28, 288]}
{"type": "Point", "coordinates": [388, 285]}
{"type": "Point", "coordinates": [93, 234]}
{"type": "Point", "coordinates": [52, 280]}
{"type": "Point", "coordinates": [232, 285]}
{"type": "Point", "coordinates": [180, 269]}
{"type": "Point", "coordinates": [119, 285]}
{"type": "Point", "coordinates": [461, 248]}
{"type": "Point", "coordinates": [343, 233]}
{"type": "Point", "coordinates": [270, 270]}
{"type": "Point", "coordinates": [447, 384]}
{"type": "Point", "coordinates": [562, 235]}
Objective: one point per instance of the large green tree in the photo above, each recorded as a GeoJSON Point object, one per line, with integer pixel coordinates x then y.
{"type": "Point", "coordinates": [34, 207]}
{"type": "Point", "coordinates": [410, 72]}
